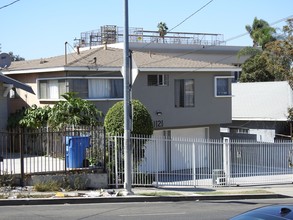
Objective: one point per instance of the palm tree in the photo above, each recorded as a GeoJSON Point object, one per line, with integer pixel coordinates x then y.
{"type": "Point", "coordinates": [162, 29]}
{"type": "Point", "coordinates": [260, 32]}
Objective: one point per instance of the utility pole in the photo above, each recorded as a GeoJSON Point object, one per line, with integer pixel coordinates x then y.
{"type": "Point", "coordinates": [127, 105]}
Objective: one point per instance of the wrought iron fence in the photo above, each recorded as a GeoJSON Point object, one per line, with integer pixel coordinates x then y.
{"type": "Point", "coordinates": [175, 161]}
{"type": "Point", "coordinates": [44, 150]}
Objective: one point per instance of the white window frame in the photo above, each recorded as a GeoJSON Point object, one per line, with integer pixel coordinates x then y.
{"type": "Point", "coordinates": [216, 85]}
{"type": "Point", "coordinates": [164, 82]}
{"type": "Point", "coordinates": [46, 79]}
{"type": "Point", "coordinates": [69, 78]}
{"type": "Point", "coordinates": [188, 99]}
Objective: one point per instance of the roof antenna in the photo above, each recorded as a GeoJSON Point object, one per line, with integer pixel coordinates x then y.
{"type": "Point", "coordinates": [66, 53]}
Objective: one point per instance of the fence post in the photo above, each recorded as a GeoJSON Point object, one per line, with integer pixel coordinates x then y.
{"type": "Point", "coordinates": [105, 155]}
{"type": "Point", "coordinates": [193, 164]}
{"type": "Point", "coordinates": [21, 144]}
{"type": "Point", "coordinates": [157, 164]}
{"type": "Point", "coordinates": [226, 159]}
{"type": "Point", "coordinates": [116, 162]}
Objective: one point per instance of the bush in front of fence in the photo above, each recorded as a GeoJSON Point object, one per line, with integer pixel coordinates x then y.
{"type": "Point", "coordinates": [142, 126]}
{"type": "Point", "coordinates": [6, 180]}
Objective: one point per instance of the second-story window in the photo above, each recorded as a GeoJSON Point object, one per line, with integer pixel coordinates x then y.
{"type": "Point", "coordinates": [184, 93]}
{"type": "Point", "coordinates": [52, 89]}
{"type": "Point", "coordinates": [105, 88]}
{"type": "Point", "coordinates": [158, 80]}
{"type": "Point", "coordinates": [223, 86]}
{"type": "Point", "coordinates": [86, 88]}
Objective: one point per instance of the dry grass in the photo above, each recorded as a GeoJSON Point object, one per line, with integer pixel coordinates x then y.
{"type": "Point", "coordinates": [232, 192]}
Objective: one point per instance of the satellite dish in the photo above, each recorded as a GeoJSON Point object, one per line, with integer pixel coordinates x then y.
{"type": "Point", "coordinates": [5, 60]}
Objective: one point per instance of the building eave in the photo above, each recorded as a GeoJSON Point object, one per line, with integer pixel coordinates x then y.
{"type": "Point", "coordinates": [61, 69]}
{"type": "Point", "coordinates": [14, 83]}
{"type": "Point", "coordinates": [199, 69]}
{"type": "Point", "coordinates": [258, 119]}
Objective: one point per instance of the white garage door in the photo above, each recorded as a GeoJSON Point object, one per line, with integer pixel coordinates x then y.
{"type": "Point", "coordinates": [202, 133]}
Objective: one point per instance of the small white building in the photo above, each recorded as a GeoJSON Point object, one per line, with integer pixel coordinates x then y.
{"type": "Point", "coordinates": [260, 111]}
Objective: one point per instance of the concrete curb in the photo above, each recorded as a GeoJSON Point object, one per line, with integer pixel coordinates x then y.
{"type": "Point", "coordinates": [80, 200]}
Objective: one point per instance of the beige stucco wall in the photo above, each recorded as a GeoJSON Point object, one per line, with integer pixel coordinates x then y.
{"type": "Point", "coordinates": [3, 108]}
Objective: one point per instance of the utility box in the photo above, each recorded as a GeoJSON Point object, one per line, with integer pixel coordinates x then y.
{"type": "Point", "coordinates": [76, 150]}
{"type": "Point", "coordinates": [218, 177]}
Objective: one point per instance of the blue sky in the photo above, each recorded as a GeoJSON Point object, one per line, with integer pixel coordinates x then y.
{"type": "Point", "coordinates": [39, 28]}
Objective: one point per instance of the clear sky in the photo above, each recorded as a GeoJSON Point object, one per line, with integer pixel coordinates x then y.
{"type": "Point", "coordinates": [39, 28]}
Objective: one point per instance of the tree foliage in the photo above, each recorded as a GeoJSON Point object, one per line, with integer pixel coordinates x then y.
{"type": "Point", "coordinates": [142, 125]}
{"type": "Point", "coordinates": [35, 117]}
{"type": "Point", "coordinates": [162, 29]}
{"type": "Point", "coordinates": [260, 32]}
{"type": "Point", "coordinates": [142, 121]}
{"type": "Point", "coordinates": [15, 57]}
{"type": "Point", "coordinates": [254, 70]}
{"type": "Point", "coordinates": [274, 61]}
{"type": "Point", "coordinates": [14, 118]}
{"type": "Point", "coordinates": [73, 111]}
{"type": "Point", "coordinates": [68, 112]}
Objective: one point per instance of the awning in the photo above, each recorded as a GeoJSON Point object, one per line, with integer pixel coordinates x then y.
{"type": "Point", "coordinates": [15, 83]}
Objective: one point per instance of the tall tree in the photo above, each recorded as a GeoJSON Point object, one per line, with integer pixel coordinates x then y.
{"type": "Point", "coordinates": [260, 32]}
{"type": "Point", "coordinates": [254, 70]}
{"type": "Point", "coordinates": [274, 62]}
{"type": "Point", "coordinates": [162, 29]}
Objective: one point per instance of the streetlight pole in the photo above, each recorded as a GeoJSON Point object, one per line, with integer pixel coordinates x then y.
{"type": "Point", "coordinates": [127, 105]}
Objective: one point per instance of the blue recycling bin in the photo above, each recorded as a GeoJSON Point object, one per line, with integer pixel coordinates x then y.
{"type": "Point", "coordinates": [76, 150]}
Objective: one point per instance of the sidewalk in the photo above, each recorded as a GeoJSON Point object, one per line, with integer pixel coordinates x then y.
{"type": "Point", "coordinates": [156, 195]}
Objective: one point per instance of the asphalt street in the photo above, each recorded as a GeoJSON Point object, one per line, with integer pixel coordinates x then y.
{"type": "Point", "coordinates": [183, 210]}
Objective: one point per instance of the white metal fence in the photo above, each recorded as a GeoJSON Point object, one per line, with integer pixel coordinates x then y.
{"type": "Point", "coordinates": [161, 161]}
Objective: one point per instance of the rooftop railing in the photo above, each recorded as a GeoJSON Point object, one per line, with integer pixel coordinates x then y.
{"type": "Point", "coordinates": [112, 34]}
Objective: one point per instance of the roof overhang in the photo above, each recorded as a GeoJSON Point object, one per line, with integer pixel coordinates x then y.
{"type": "Point", "coordinates": [97, 68]}
{"type": "Point", "coordinates": [199, 69]}
{"type": "Point", "coordinates": [7, 80]}
{"type": "Point", "coordinates": [257, 119]}
{"type": "Point", "coordinates": [61, 69]}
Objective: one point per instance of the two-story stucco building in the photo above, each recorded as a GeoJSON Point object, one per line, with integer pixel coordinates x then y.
{"type": "Point", "coordinates": [186, 94]}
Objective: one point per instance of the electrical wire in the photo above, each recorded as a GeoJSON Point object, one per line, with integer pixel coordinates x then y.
{"type": "Point", "coordinates": [191, 15]}
{"type": "Point", "coordinates": [201, 8]}
{"type": "Point", "coordinates": [194, 51]}
{"type": "Point", "coordinates": [211, 46]}
{"type": "Point", "coordinates": [181, 22]}
{"type": "Point", "coordinates": [9, 4]}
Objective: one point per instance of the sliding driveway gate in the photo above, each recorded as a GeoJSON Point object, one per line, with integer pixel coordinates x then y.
{"type": "Point", "coordinates": [158, 161]}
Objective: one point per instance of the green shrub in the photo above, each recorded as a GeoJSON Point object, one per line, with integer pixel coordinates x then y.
{"type": "Point", "coordinates": [142, 120]}
{"type": "Point", "coordinates": [48, 186]}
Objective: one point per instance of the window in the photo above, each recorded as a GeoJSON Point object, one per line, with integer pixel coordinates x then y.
{"type": "Point", "coordinates": [184, 93]}
{"type": "Point", "coordinates": [86, 88]}
{"type": "Point", "coordinates": [80, 86]}
{"type": "Point", "coordinates": [158, 80]}
{"type": "Point", "coordinates": [223, 86]}
{"type": "Point", "coordinates": [52, 89]}
{"type": "Point", "coordinates": [105, 88]}
{"type": "Point", "coordinates": [239, 130]}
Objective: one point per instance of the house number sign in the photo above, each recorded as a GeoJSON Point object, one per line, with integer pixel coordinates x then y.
{"type": "Point", "coordinates": [158, 124]}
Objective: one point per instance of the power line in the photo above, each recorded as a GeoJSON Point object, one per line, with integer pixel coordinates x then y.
{"type": "Point", "coordinates": [182, 21]}
{"type": "Point", "coordinates": [9, 4]}
{"type": "Point", "coordinates": [271, 24]}
{"type": "Point", "coordinates": [192, 15]}
{"type": "Point", "coordinates": [211, 46]}
{"type": "Point", "coordinates": [205, 47]}
{"type": "Point", "coordinates": [201, 8]}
